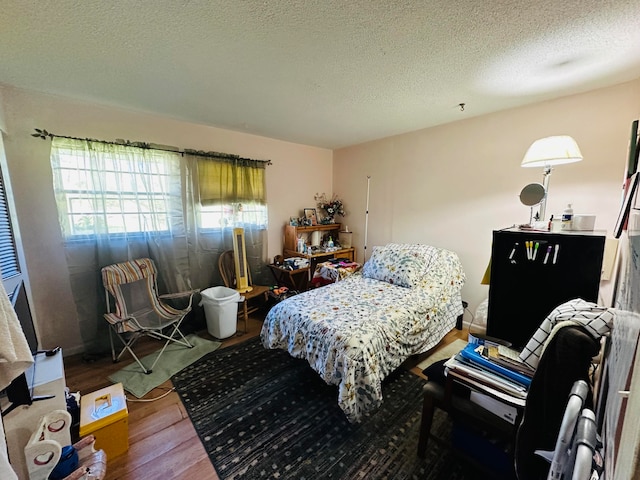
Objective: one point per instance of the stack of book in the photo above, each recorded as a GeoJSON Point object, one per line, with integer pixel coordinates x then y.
{"type": "Point", "coordinates": [507, 357]}
{"type": "Point", "coordinates": [492, 368]}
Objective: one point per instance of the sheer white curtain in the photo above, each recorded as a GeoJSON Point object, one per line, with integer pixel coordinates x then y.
{"type": "Point", "coordinates": [121, 202]}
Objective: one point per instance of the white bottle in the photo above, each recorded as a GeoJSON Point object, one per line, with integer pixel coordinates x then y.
{"type": "Point", "coordinates": [301, 245]}
{"type": "Point", "coordinates": [567, 217]}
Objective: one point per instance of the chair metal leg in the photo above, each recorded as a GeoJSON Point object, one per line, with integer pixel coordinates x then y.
{"type": "Point", "coordinates": [158, 335]}
{"type": "Point", "coordinates": [113, 350]}
{"type": "Point", "coordinates": [169, 339]}
{"type": "Point", "coordinates": [127, 347]}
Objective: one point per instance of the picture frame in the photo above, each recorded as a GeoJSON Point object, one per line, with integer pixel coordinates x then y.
{"type": "Point", "coordinates": [310, 214]}
{"type": "Point", "coordinates": [293, 221]}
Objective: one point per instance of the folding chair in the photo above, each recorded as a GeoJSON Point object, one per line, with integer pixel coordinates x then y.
{"type": "Point", "coordinates": [139, 310]}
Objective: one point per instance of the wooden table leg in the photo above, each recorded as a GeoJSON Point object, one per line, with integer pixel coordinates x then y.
{"type": "Point", "coordinates": [428, 409]}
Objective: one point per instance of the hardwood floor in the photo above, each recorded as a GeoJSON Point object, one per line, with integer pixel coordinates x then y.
{"type": "Point", "coordinates": [163, 443]}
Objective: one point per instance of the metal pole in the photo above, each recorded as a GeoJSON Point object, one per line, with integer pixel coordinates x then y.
{"type": "Point", "coordinates": [545, 183]}
{"type": "Point", "coordinates": [366, 219]}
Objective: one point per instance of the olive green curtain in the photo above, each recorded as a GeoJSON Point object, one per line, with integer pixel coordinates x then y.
{"type": "Point", "coordinates": [231, 181]}
{"type": "Point", "coordinates": [228, 193]}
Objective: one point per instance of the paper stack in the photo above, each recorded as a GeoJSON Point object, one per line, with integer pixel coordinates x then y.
{"type": "Point", "coordinates": [474, 367]}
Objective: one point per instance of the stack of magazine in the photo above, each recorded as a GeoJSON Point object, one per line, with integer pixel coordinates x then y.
{"type": "Point", "coordinates": [492, 367]}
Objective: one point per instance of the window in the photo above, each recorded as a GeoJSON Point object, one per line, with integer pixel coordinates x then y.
{"type": "Point", "coordinates": [232, 214]}
{"type": "Point", "coordinates": [10, 250]}
{"type": "Point", "coordinates": [107, 189]}
{"type": "Point", "coordinates": [119, 202]}
{"type": "Point", "coordinates": [114, 191]}
{"type": "Point", "coordinates": [8, 253]}
{"type": "Point", "coordinates": [231, 193]}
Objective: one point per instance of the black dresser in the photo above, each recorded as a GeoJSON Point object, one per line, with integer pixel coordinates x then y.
{"type": "Point", "coordinates": [528, 282]}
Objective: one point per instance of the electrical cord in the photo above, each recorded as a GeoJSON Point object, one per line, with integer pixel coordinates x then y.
{"type": "Point", "coordinates": [144, 400]}
{"type": "Point", "coordinates": [471, 322]}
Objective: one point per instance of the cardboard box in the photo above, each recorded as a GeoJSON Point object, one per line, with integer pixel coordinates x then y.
{"type": "Point", "coordinates": [104, 414]}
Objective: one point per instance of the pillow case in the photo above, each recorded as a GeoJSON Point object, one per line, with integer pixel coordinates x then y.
{"type": "Point", "coordinates": [401, 267]}
{"type": "Point", "coordinates": [427, 252]}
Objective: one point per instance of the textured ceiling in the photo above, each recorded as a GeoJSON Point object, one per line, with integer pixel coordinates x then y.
{"type": "Point", "coordinates": [329, 73]}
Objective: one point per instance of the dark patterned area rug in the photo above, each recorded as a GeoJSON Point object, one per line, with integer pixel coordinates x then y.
{"type": "Point", "coordinates": [263, 414]}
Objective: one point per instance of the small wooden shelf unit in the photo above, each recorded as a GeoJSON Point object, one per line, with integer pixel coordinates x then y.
{"type": "Point", "coordinates": [291, 241]}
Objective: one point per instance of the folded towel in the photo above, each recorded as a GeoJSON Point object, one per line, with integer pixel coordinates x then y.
{"type": "Point", "coordinates": [15, 355]}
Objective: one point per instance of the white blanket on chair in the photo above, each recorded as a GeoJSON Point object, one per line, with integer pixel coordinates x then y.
{"type": "Point", "coordinates": [596, 319]}
{"type": "Point", "coordinates": [15, 356]}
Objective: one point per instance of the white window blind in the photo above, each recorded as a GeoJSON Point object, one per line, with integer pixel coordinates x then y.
{"type": "Point", "coordinates": [8, 253]}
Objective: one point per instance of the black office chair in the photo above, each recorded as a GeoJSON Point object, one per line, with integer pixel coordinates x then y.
{"type": "Point", "coordinates": [566, 359]}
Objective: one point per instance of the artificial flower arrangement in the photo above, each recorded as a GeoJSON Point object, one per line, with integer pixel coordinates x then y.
{"type": "Point", "coordinates": [331, 207]}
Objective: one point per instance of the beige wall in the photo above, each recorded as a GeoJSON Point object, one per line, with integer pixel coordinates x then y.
{"type": "Point", "coordinates": [449, 186]}
{"type": "Point", "coordinates": [452, 185]}
{"type": "Point", "coordinates": [297, 173]}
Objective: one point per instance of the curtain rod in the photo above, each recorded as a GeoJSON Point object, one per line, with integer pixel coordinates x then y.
{"type": "Point", "coordinates": [44, 134]}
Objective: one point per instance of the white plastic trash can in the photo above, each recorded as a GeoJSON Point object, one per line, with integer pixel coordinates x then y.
{"type": "Point", "coordinates": [221, 310]}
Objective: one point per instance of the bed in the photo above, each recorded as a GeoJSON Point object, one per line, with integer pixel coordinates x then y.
{"type": "Point", "coordinates": [356, 331]}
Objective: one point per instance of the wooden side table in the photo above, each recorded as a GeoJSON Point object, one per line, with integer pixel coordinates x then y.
{"type": "Point", "coordinates": [461, 408]}
{"type": "Point", "coordinates": [292, 279]}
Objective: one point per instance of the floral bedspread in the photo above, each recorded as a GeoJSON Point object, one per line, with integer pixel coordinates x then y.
{"type": "Point", "coordinates": [356, 331]}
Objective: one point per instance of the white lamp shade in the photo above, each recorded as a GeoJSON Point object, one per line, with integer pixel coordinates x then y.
{"type": "Point", "coordinates": [552, 151]}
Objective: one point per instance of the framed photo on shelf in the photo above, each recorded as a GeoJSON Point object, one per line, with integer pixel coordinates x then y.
{"type": "Point", "coordinates": [310, 214]}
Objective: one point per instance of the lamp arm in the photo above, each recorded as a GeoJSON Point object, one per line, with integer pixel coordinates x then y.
{"type": "Point", "coordinates": [545, 183]}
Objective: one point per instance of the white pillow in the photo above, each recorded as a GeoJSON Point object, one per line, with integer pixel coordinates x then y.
{"type": "Point", "coordinates": [397, 266]}
{"type": "Point", "coordinates": [427, 252]}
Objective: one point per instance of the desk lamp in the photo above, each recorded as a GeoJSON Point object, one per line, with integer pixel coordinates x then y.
{"type": "Point", "coordinates": [547, 152]}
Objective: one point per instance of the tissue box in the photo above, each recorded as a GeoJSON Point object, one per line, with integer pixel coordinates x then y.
{"type": "Point", "coordinates": [104, 414]}
{"type": "Point", "coordinates": [583, 222]}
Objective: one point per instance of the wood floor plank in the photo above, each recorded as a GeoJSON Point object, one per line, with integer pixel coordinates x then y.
{"type": "Point", "coordinates": [161, 449]}
{"type": "Point", "coordinates": [183, 456]}
{"type": "Point", "coordinates": [147, 426]}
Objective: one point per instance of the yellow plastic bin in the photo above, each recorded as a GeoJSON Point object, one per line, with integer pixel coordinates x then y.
{"type": "Point", "coordinates": [104, 415]}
